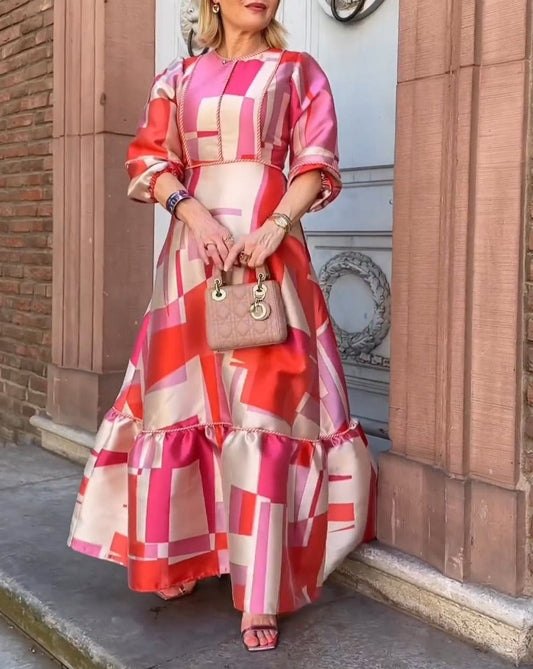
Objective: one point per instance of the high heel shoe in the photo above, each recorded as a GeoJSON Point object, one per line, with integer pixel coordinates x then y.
{"type": "Point", "coordinates": [176, 592]}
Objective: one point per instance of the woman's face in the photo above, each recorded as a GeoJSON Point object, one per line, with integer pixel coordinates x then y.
{"type": "Point", "coordinates": [248, 15]}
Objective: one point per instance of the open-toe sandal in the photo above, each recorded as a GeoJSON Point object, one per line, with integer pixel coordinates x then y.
{"type": "Point", "coordinates": [260, 628]}
{"type": "Point", "coordinates": [177, 592]}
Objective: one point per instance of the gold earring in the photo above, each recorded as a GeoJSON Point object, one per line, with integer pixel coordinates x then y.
{"type": "Point", "coordinates": [216, 8]}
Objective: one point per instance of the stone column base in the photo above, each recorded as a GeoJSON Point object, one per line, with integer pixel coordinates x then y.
{"type": "Point", "coordinates": [69, 442]}
{"type": "Point", "coordinates": [479, 615]}
{"type": "Point", "coordinates": [81, 398]}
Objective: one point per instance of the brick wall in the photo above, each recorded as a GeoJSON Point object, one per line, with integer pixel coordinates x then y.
{"type": "Point", "coordinates": [25, 212]}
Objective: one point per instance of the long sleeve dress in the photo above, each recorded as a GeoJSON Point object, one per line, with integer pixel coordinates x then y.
{"type": "Point", "coordinates": [245, 462]}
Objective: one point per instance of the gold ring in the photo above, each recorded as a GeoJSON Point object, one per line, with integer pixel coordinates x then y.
{"type": "Point", "coordinates": [209, 244]}
{"type": "Point", "coordinates": [244, 257]}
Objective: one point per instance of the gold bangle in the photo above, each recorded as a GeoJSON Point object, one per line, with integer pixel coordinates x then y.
{"type": "Point", "coordinates": [282, 221]}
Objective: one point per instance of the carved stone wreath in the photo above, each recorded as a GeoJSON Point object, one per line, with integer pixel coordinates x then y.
{"type": "Point", "coordinates": [359, 344]}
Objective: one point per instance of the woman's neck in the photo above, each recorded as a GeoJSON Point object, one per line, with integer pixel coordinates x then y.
{"type": "Point", "coordinates": [238, 45]}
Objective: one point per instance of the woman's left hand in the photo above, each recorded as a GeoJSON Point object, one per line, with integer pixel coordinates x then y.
{"type": "Point", "coordinates": [253, 249]}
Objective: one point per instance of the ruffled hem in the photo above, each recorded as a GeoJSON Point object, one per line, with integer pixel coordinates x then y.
{"type": "Point", "coordinates": [196, 577]}
{"type": "Point", "coordinates": [193, 501]}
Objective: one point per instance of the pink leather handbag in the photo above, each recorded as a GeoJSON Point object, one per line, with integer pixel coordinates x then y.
{"type": "Point", "coordinates": [244, 315]}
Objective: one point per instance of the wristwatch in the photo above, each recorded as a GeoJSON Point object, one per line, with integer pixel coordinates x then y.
{"type": "Point", "coordinates": [174, 199]}
{"type": "Point", "coordinates": [282, 221]}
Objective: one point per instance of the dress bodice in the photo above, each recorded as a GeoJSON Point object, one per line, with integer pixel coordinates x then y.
{"type": "Point", "coordinates": [206, 111]}
{"type": "Point", "coordinates": [235, 110]}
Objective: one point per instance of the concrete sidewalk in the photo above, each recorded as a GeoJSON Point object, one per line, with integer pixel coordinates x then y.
{"type": "Point", "coordinates": [81, 611]}
{"type": "Point", "coordinates": [18, 652]}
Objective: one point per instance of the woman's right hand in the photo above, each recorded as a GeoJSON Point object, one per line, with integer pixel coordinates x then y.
{"type": "Point", "coordinates": [213, 239]}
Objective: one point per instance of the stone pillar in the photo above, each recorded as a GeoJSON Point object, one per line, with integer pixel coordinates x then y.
{"type": "Point", "coordinates": [102, 243]}
{"type": "Point", "coordinates": [450, 490]}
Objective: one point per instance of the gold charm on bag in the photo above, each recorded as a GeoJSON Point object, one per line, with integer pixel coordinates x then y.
{"type": "Point", "coordinates": [258, 309]}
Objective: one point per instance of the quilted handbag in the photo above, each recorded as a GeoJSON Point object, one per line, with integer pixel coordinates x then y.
{"type": "Point", "coordinates": [244, 315]}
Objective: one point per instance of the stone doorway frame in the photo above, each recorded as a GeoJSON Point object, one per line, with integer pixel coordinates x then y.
{"type": "Point", "coordinates": [103, 243]}
{"type": "Point", "coordinates": [458, 273]}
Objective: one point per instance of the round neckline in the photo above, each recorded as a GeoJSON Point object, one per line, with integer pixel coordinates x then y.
{"type": "Point", "coordinates": [241, 58]}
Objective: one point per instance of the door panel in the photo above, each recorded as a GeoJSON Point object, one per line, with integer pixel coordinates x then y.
{"type": "Point", "coordinates": [360, 60]}
{"type": "Point", "coordinates": [351, 240]}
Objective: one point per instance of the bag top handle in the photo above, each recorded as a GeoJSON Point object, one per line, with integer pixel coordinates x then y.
{"type": "Point", "coordinates": [221, 275]}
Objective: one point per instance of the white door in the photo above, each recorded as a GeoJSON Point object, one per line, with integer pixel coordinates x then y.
{"type": "Point", "coordinates": [351, 240]}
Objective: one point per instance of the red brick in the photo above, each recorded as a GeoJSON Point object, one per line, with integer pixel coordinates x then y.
{"type": "Point", "coordinates": [37, 399]}
{"type": "Point", "coordinates": [20, 121]}
{"type": "Point", "coordinates": [37, 383]}
{"type": "Point", "coordinates": [39, 321]}
{"type": "Point", "coordinates": [32, 23]}
{"type": "Point", "coordinates": [34, 366]}
{"type": "Point", "coordinates": [13, 271]}
{"type": "Point", "coordinates": [19, 303]}
{"type": "Point", "coordinates": [15, 391]}
{"type": "Point", "coordinates": [527, 464]}
{"type": "Point", "coordinates": [20, 378]}
{"type": "Point", "coordinates": [42, 306]}
{"type": "Point", "coordinates": [25, 287]}
{"type": "Point", "coordinates": [529, 358]}
{"type": "Point", "coordinates": [44, 210]}
{"type": "Point", "coordinates": [9, 286]}
{"type": "Point", "coordinates": [38, 273]}
{"type": "Point", "coordinates": [28, 410]}
{"type": "Point", "coordinates": [12, 360]}
{"type": "Point", "coordinates": [529, 297]}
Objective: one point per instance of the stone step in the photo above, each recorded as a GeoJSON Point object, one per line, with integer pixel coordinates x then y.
{"type": "Point", "coordinates": [81, 611]}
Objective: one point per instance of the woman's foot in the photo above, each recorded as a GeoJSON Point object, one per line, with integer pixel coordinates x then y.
{"type": "Point", "coordinates": [264, 638]}
{"type": "Point", "coordinates": [177, 591]}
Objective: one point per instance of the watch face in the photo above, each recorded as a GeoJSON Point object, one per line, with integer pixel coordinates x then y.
{"type": "Point", "coordinates": [281, 222]}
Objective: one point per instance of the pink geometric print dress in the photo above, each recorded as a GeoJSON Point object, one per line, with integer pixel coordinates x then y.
{"type": "Point", "coordinates": [244, 462]}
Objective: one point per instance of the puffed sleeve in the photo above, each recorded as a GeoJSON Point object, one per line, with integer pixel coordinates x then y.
{"type": "Point", "coordinates": [314, 129]}
{"type": "Point", "coordinates": [156, 148]}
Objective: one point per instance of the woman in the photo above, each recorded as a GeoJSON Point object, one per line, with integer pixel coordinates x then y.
{"type": "Point", "coordinates": [243, 462]}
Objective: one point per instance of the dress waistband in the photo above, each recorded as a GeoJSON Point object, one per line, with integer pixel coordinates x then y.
{"type": "Point", "coordinates": [214, 163]}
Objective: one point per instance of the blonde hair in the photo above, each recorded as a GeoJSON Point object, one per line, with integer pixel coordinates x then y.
{"type": "Point", "coordinates": [211, 30]}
